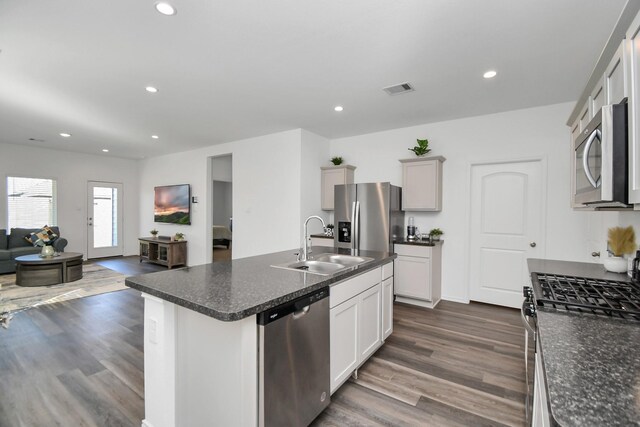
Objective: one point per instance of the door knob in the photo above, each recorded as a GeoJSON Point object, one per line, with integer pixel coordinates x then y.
{"type": "Point", "coordinates": [532, 244]}
{"type": "Point", "coordinates": [595, 254]}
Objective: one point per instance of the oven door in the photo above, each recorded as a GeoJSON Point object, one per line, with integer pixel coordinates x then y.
{"type": "Point", "coordinates": [529, 323]}
{"type": "Point", "coordinates": [588, 162]}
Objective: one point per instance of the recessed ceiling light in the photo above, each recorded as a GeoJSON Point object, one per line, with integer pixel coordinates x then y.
{"type": "Point", "coordinates": [489, 74]}
{"type": "Point", "coordinates": [165, 8]}
{"type": "Point", "coordinates": [104, 150]}
{"type": "Point", "coordinates": [338, 108]}
{"type": "Point", "coordinates": [151, 89]}
{"type": "Point", "coordinates": [65, 135]}
{"type": "Point", "coordinates": [155, 136]}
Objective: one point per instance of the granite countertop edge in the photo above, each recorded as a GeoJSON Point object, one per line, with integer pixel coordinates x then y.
{"type": "Point", "coordinates": [250, 308]}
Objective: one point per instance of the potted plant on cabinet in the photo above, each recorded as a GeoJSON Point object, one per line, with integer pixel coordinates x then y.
{"type": "Point", "coordinates": [435, 234]}
{"type": "Point", "coordinates": [422, 148]}
{"type": "Point", "coordinates": [336, 160]}
{"type": "Point", "coordinates": [621, 241]}
{"type": "Point", "coordinates": [154, 233]}
{"type": "Point", "coordinates": [178, 237]}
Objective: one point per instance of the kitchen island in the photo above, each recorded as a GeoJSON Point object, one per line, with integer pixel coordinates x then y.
{"type": "Point", "coordinates": [591, 363]}
{"type": "Point", "coordinates": [201, 332]}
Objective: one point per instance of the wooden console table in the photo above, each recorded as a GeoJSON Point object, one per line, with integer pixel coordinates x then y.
{"type": "Point", "coordinates": [164, 252]}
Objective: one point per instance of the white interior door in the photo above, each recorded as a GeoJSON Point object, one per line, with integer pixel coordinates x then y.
{"type": "Point", "coordinates": [507, 208]}
{"type": "Point", "coordinates": [104, 219]}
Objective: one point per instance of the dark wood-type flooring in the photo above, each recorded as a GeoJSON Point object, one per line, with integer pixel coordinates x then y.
{"type": "Point", "coordinates": [80, 363]}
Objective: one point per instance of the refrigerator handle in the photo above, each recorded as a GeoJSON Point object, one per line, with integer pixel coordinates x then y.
{"type": "Point", "coordinates": [356, 227]}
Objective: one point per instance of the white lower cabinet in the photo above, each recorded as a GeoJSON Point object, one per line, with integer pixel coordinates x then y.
{"type": "Point", "coordinates": [361, 309]}
{"type": "Point", "coordinates": [344, 341]}
{"type": "Point", "coordinates": [417, 273]}
{"type": "Point", "coordinates": [370, 323]}
{"type": "Point", "coordinates": [387, 307]}
{"type": "Point", "coordinates": [540, 416]}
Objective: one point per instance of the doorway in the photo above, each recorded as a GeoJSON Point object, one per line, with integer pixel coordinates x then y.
{"type": "Point", "coordinates": [104, 219]}
{"type": "Point", "coordinates": [222, 207]}
{"type": "Point", "coordinates": [506, 227]}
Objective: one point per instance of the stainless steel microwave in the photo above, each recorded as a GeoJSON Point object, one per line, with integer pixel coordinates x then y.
{"type": "Point", "coordinates": [601, 161]}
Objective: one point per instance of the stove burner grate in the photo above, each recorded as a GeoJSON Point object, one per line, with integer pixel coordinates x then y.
{"type": "Point", "coordinates": [602, 297]}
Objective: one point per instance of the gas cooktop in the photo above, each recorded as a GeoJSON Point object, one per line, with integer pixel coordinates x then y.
{"type": "Point", "coordinates": [579, 294]}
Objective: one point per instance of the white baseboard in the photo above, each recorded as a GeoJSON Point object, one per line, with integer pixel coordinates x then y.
{"type": "Point", "coordinates": [146, 423]}
{"type": "Point", "coordinates": [455, 299]}
{"type": "Point", "coordinates": [420, 303]}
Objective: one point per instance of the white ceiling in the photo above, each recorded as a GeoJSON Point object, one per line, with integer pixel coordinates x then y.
{"type": "Point", "coordinates": [232, 69]}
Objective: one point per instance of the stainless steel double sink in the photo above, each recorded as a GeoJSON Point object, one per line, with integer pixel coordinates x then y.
{"type": "Point", "coordinates": [326, 264]}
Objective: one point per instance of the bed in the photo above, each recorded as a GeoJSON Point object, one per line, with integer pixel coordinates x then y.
{"type": "Point", "coordinates": [221, 235]}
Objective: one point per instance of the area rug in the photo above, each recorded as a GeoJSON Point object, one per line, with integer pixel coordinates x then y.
{"type": "Point", "coordinates": [96, 280]}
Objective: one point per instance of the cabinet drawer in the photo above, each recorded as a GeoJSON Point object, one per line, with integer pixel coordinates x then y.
{"type": "Point", "coordinates": [387, 270]}
{"type": "Point", "coordinates": [413, 250]}
{"type": "Point", "coordinates": [351, 287]}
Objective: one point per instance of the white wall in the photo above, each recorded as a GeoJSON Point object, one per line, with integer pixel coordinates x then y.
{"type": "Point", "coordinates": [222, 168]}
{"type": "Point", "coordinates": [266, 199]}
{"type": "Point", "coordinates": [314, 154]}
{"type": "Point", "coordinates": [570, 235]}
{"type": "Point", "coordinates": [72, 171]}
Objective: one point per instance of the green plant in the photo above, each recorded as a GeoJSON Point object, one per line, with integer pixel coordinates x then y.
{"type": "Point", "coordinates": [436, 232]}
{"type": "Point", "coordinates": [622, 240]}
{"type": "Point", "coordinates": [336, 160]}
{"type": "Point", "coordinates": [178, 236]}
{"type": "Point", "coordinates": [422, 148]}
{"type": "Point", "coordinates": [154, 232]}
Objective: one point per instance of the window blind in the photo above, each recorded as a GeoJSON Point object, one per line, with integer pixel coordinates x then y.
{"type": "Point", "coordinates": [31, 202]}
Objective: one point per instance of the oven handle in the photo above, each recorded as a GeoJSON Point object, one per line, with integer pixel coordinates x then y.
{"type": "Point", "coordinates": [585, 157]}
{"type": "Point", "coordinates": [524, 319]}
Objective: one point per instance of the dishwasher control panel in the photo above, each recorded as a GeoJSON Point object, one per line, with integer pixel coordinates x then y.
{"type": "Point", "coordinates": [273, 314]}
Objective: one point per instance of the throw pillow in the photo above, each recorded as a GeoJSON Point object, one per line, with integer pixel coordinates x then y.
{"type": "Point", "coordinates": [44, 236]}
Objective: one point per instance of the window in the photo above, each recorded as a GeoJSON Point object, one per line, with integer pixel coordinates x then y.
{"type": "Point", "coordinates": [31, 202]}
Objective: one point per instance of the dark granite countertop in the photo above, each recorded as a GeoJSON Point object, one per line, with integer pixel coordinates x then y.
{"type": "Point", "coordinates": [233, 290]}
{"type": "Point", "coordinates": [405, 241]}
{"type": "Point", "coordinates": [591, 363]}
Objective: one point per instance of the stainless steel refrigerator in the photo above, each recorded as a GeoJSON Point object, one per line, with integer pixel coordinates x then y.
{"type": "Point", "coordinates": [368, 216]}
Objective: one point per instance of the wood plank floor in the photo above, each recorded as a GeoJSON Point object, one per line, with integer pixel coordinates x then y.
{"type": "Point", "coordinates": [80, 363]}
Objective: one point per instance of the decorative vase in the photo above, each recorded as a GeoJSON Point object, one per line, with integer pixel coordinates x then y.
{"type": "Point", "coordinates": [615, 264]}
{"type": "Point", "coordinates": [47, 251]}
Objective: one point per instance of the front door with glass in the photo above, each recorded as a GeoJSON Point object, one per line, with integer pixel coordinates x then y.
{"type": "Point", "coordinates": [104, 219]}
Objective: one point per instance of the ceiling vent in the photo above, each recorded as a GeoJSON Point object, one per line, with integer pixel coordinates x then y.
{"type": "Point", "coordinates": [398, 89]}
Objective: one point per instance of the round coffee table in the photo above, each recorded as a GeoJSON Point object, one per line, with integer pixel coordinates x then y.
{"type": "Point", "coordinates": [32, 270]}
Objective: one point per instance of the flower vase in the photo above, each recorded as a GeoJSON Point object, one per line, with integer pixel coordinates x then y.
{"type": "Point", "coordinates": [615, 264]}
{"type": "Point", "coordinates": [47, 251]}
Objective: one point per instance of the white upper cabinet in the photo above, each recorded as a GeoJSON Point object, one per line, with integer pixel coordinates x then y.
{"type": "Point", "coordinates": [597, 99]}
{"type": "Point", "coordinates": [615, 84]}
{"type": "Point", "coordinates": [632, 54]}
{"type": "Point", "coordinates": [422, 183]}
{"type": "Point", "coordinates": [585, 116]}
{"type": "Point", "coordinates": [332, 176]}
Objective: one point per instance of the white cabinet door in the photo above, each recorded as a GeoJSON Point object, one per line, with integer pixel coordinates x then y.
{"type": "Point", "coordinates": [585, 117]}
{"type": "Point", "coordinates": [597, 99]}
{"type": "Point", "coordinates": [614, 78]}
{"type": "Point", "coordinates": [370, 322]}
{"type": "Point", "coordinates": [412, 277]}
{"type": "Point", "coordinates": [387, 307]}
{"type": "Point", "coordinates": [332, 176]}
{"type": "Point", "coordinates": [344, 340]}
{"type": "Point", "coordinates": [422, 184]}
{"type": "Point", "coordinates": [632, 49]}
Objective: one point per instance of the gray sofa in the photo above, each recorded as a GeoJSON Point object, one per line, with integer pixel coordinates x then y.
{"type": "Point", "coordinates": [15, 245]}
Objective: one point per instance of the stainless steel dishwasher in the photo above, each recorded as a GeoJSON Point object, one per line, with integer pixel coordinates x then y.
{"type": "Point", "coordinates": [294, 373]}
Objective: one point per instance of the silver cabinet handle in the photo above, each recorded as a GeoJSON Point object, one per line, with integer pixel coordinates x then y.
{"type": "Point", "coordinates": [532, 244]}
{"type": "Point", "coordinates": [585, 158]}
{"type": "Point", "coordinates": [595, 254]}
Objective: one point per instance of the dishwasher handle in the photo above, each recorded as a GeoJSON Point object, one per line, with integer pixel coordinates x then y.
{"type": "Point", "coordinates": [300, 313]}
